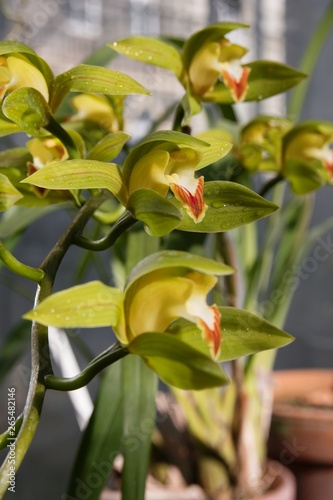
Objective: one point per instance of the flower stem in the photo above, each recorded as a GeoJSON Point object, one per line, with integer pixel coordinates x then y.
{"type": "Point", "coordinates": [125, 222]}
{"type": "Point", "coordinates": [40, 352]}
{"type": "Point", "coordinates": [109, 356]}
{"type": "Point", "coordinates": [18, 267]}
{"type": "Point", "coordinates": [8, 434]}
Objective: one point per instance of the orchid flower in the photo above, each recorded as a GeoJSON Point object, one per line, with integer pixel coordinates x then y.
{"type": "Point", "coordinates": [162, 288]}
{"type": "Point", "coordinates": [95, 108]}
{"type": "Point", "coordinates": [219, 59]}
{"type": "Point", "coordinates": [160, 297]}
{"type": "Point", "coordinates": [308, 156]}
{"type": "Point", "coordinates": [171, 167]}
{"type": "Point", "coordinates": [16, 71]}
{"type": "Point", "coordinates": [44, 151]}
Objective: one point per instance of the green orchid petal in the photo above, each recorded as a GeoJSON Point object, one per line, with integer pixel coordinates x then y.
{"type": "Point", "coordinates": [177, 363]}
{"type": "Point", "coordinates": [9, 195]}
{"type": "Point", "coordinates": [151, 51]}
{"type": "Point", "coordinates": [84, 306]}
{"type": "Point", "coordinates": [243, 333]}
{"type": "Point", "coordinates": [80, 174]}
{"type": "Point", "coordinates": [158, 213]}
{"type": "Point", "coordinates": [170, 259]}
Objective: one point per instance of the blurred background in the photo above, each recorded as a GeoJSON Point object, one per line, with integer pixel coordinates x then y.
{"type": "Point", "coordinates": [65, 32]}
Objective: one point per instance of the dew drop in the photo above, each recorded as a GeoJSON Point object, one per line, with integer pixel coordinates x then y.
{"type": "Point", "coordinates": [136, 54]}
{"type": "Point", "coordinates": [150, 58]}
{"type": "Point", "coordinates": [115, 44]}
{"type": "Point", "coordinates": [58, 316]}
{"type": "Point", "coordinates": [52, 311]}
{"type": "Point", "coordinates": [217, 204]}
{"type": "Point", "coordinates": [67, 318]}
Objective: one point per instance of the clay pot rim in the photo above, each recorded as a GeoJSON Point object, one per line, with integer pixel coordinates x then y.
{"type": "Point", "coordinates": [307, 379]}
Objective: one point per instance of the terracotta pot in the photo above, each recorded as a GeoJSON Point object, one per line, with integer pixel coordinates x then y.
{"type": "Point", "coordinates": [301, 435]}
{"type": "Point", "coordinates": [283, 487]}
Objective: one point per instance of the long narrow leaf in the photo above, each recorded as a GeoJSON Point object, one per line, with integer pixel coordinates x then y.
{"type": "Point", "coordinates": [102, 439]}
{"type": "Point", "coordinates": [139, 386]}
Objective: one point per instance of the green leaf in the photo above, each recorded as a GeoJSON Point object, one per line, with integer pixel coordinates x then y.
{"type": "Point", "coordinates": [211, 33]}
{"type": "Point", "coordinates": [109, 147]}
{"type": "Point", "coordinates": [93, 79]}
{"type": "Point", "coordinates": [28, 109]}
{"type": "Point", "coordinates": [139, 386]}
{"type": "Point", "coordinates": [177, 258]}
{"type": "Point", "coordinates": [267, 78]}
{"type": "Point", "coordinates": [80, 174]}
{"type": "Point", "coordinates": [9, 195]}
{"type": "Point", "coordinates": [176, 362]}
{"type": "Point", "coordinates": [230, 205]}
{"type": "Point", "coordinates": [151, 51]}
{"type": "Point", "coordinates": [157, 212]}
{"type": "Point", "coordinates": [243, 333]}
{"type": "Point", "coordinates": [82, 306]}
{"type": "Point", "coordinates": [101, 441]}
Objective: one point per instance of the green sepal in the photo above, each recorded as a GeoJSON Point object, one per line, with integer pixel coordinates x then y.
{"type": "Point", "coordinates": [150, 51]}
{"type": "Point", "coordinates": [158, 213]}
{"type": "Point", "coordinates": [230, 205]}
{"type": "Point", "coordinates": [178, 259]}
{"type": "Point", "coordinates": [80, 174]}
{"type": "Point", "coordinates": [28, 109]}
{"type": "Point", "coordinates": [267, 78]}
{"type": "Point", "coordinates": [305, 175]}
{"type": "Point", "coordinates": [109, 147]}
{"type": "Point", "coordinates": [177, 363]}
{"type": "Point", "coordinates": [243, 333]}
{"type": "Point", "coordinates": [15, 158]}
{"type": "Point", "coordinates": [9, 195]}
{"type": "Point", "coordinates": [211, 33]}
{"type": "Point", "coordinates": [93, 79]}
{"type": "Point", "coordinates": [217, 149]}
{"type": "Point", "coordinates": [83, 306]}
